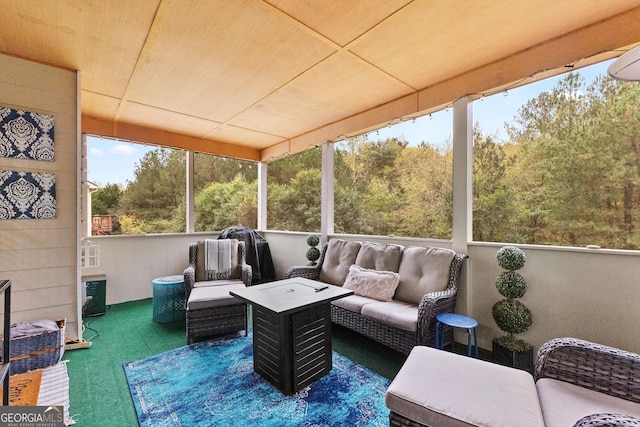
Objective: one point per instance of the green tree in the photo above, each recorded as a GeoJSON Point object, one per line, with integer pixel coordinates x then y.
{"type": "Point", "coordinates": [494, 196]}
{"type": "Point", "coordinates": [425, 181]}
{"type": "Point", "coordinates": [296, 206]}
{"type": "Point", "coordinates": [225, 204]}
{"type": "Point", "coordinates": [158, 190]}
{"type": "Point", "coordinates": [105, 200]}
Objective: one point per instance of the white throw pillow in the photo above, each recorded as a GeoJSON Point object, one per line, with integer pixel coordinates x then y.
{"type": "Point", "coordinates": [380, 285]}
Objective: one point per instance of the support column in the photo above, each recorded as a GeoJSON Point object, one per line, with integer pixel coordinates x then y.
{"type": "Point", "coordinates": [189, 214]}
{"type": "Point", "coordinates": [463, 195]}
{"type": "Point", "coordinates": [462, 173]}
{"type": "Point", "coordinates": [262, 195]}
{"type": "Point", "coordinates": [327, 193]}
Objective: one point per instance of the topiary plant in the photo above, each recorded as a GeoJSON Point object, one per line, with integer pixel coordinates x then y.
{"type": "Point", "coordinates": [511, 315]}
{"type": "Point", "coordinates": [313, 253]}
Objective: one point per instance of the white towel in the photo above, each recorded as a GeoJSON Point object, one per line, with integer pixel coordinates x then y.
{"type": "Point", "coordinates": [217, 259]}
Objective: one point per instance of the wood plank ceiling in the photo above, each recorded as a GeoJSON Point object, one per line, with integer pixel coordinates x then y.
{"type": "Point", "coordinates": [258, 79]}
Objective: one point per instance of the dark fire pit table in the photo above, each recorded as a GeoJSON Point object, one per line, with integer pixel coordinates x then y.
{"type": "Point", "coordinates": [291, 330]}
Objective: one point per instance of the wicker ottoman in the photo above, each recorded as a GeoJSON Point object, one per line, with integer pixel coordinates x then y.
{"type": "Point", "coordinates": [438, 388]}
{"type": "Point", "coordinates": [211, 312]}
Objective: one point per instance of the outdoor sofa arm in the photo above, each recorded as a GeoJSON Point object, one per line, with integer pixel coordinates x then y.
{"type": "Point", "coordinates": [608, 420]}
{"type": "Point", "coordinates": [435, 303]}
{"type": "Point", "coordinates": [308, 271]}
{"type": "Point", "coordinates": [589, 365]}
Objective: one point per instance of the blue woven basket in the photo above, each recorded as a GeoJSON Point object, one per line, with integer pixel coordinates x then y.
{"type": "Point", "coordinates": [37, 351]}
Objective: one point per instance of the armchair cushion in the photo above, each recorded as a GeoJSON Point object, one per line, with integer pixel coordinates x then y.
{"type": "Point", "coordinates": [440, 388]}
{"type": "Point", "coordinates": [563, 404]}
{"type": "Point", "coordinates": [201, 274]}
{"type": "Point", "coordinates": [340, 255]}
{"type": "Point", "coordinates": [377, 256]}
{"type": "Point", "coordinates": [225, 282]}
{"type": "Point", "coordinates": [422, 271]}
{"type": "Point", "coordinates": [379, 285]}
{"type": "Point", "coordinates": [213, 296]}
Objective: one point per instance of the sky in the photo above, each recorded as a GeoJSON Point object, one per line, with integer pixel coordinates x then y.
{"type": "Point", "coordinates": [114, 162]}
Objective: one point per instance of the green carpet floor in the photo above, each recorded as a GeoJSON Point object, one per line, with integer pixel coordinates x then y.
{"type": "Point", "coordinates": [98, 388]}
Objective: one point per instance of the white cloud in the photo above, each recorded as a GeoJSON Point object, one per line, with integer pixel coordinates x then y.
{"type": "Point", "coordinates": [125, 149]}
{"type": "Point", "coordinates": [96, 152]}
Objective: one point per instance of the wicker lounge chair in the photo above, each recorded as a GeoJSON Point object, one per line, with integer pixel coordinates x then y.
{"type": "Point", "coordinates": [210, 310]}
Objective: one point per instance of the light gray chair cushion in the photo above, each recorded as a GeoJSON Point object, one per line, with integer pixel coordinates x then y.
{"type": "Point", "coordinates": [340, 255]}
{"type": "Point", "coordinates": [439, 388]}
{"type": "Point", "coordinates": [381, 257]}
{"type": "Point", "coordinates": [423, 270]}
{"type": "Point", "coordinates": [213, 296]}
{"type": "Point", "coordinates": [563, 404]}
{"type": "Point", "coordinates": [218, 283]}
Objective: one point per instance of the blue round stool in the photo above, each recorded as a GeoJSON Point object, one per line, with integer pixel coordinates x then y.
{"type": "Point", "coordinates": [168, 299]}
{"type": "Point", "coordinates": [456, 321]}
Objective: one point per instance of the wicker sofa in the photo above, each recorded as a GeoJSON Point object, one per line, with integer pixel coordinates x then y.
{"type": "Point", "coordinates": [576, 383]}
{"type": "Point", "coordinates": [428, 281]}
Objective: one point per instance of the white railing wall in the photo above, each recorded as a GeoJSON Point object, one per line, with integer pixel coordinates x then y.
{"type": "Point", "coordinates": [590, 294]}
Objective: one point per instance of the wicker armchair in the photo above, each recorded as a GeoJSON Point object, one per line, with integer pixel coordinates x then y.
{"type": "Point", "coordinates": [596, 367]}
{"type": "Point", "coordinates": [604, 369]}
{"type": "Point", "coordinates": [211, 310]}
{"type": "Point", "coordinates": [396, 338]}
{"type": "Point", "coordinates": [190, 276]}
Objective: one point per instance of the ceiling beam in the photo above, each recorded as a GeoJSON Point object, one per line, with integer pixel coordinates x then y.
{"type": "Point", "coordinates": [144, 135]}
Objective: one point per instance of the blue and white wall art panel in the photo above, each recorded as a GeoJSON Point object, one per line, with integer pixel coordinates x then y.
{"type": "Point", "coordinates": [25, 135]}
{"type": "Point", "coordinates": [27, 195]}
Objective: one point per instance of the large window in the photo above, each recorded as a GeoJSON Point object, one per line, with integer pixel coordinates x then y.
{"type": "Point", "coordinates": [563, 168]}
{"type": "Point", "coordinates": [140, 189]}
{"type": "Point", "coordinates": [397, 180]}
{"type": "Point", "coordinates": [226, 193]}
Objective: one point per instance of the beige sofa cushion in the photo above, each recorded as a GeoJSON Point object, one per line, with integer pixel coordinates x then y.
{"type": "Point", "coordinates": [439, 388]}
{"type": "Point", "coordinates": [403, 315]}
{"type": "Point", "coordinates": [563, 404]}
{"type": "Point", "coordinates": [379, 285]}
{"type": "Point", "coordinates": [353, 302]}
{"type": "Point", "coordinates": [381, 257]}
{"type": "Point", "coordinates": [339, 257]}
{"type": "Point", "coordinates": [200, 272]}
{"type": "Point", "coordinates": [423, 270]}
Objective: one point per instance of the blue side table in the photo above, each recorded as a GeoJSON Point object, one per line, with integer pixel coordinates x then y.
{"type": "Point", "coordinates": [456, 321]}
{"type": "Point", "coordinates": [168, 299]}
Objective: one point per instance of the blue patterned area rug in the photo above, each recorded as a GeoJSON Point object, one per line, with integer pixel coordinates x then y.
{"type": "Point", "coordinates": [213, 384]}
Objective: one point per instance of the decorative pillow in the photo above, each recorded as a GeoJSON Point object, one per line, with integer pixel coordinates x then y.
{"type": "Point", "coordinates": [380, 285]}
